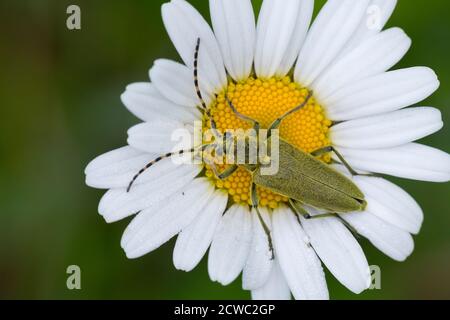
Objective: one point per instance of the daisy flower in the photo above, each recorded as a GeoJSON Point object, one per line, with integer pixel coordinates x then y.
{"type": "Point", "coordinates": [266, 68]}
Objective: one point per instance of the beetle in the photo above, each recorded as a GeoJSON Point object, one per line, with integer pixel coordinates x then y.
{"type": "Point", "coordinates": [301, 177]}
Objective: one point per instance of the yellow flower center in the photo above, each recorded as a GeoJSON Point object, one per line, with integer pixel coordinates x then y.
{"type": "Point", "coordinates": [265, 100]}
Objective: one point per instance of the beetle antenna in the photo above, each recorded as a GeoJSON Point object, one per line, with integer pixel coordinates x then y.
{"type": "Point", "coordinates": [276, 124]}
{"type": "Point", "coordinates": [241, 116]}
{"type": "Point", "coordinates": [153, 162]}
{"type": "Point", "coordinates": [199, 92]}
{"type": "Point", "coordinates": [197, 86]}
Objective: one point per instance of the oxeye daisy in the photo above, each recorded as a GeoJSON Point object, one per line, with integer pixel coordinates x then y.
{"type": "Point", "coordinates": [330, 82]}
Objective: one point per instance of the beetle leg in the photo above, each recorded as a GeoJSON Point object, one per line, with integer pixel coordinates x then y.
{"type": "Point", "coordinates": [220, 175]}
{"type": "Point", "coordinates": [160, 158]}
{"type": "Point", "coordinates": [300, 211]}
{"type": "Point", "coordinates": [323, 215]}
{"type": "Point", "coordinates": [226, 173]}
{"type": "Point", "coordinates": [211, 162]}
{"type": "Point", "coordinates": [266, 229]}
{"type": "Point", "coordinates": [328, 149]}
{"type": "Point", "coordinates": [276, 124]}
{"type": "Point", "coordinates": [341, 158]}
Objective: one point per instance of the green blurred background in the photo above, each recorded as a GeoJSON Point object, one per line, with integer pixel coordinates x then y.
{"type": "Point", "coordinates": [60, 108]}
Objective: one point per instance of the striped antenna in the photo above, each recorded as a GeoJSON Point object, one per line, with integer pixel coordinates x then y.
{"type": "Point", "coordinates": [153, 162]}
{"type": "Point", "coordinates": [197, 86]}
{"type": "Point", "coordinates": [199, 93]}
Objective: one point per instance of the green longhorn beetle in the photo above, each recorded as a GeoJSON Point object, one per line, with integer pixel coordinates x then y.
{"type": "Point", "coordinates": [302, 178]}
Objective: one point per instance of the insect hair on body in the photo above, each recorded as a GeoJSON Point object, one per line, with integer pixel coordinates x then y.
{"type": "Point", "coordinates": [299, 176]}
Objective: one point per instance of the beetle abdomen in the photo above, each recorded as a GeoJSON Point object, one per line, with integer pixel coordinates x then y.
{"type": "Point", "coordinates": [311, 192]}
{"type": "Point", "coordinates": [302, 177]}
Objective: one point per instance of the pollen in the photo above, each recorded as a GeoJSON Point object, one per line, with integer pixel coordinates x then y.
{"type": "Point", "coordinates": [265, 100]}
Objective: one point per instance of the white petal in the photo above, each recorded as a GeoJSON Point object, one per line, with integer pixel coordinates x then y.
{"type": "Point", "coordinates": [281, 30]}
{"type": "Point", "coordinates": [161, 137]}
{"type": "Point", "coordinates": [386, 92]}
{"type": "Point", "coordinates": [259, 263]}
{"type": "Point", "coordinates": [194, 240]}
{"type": "Point", "coordinates": [146, 103]}
{"type": "Point", "coordinates": [185, 25]}
{"type": "Point", "coordinates": [298, 37]}
{"type": "Point", "coordinates": [154, 226]}
{"type": "Point", "coordinates": [330, 31]}
{"type": "Point", "coordinates": [388, 202]}
{"type": "Point", "coordinates": [377, 15]}
{"type": "Point", "coordinates": [162, 182]}
{"type": "Point", "coordinates": [374, 56]}
{"type": "Point", "coordinates": [275, 288]}
{"type": "Point", "coordinates": [234, 26]}
{"type": "Point", "coordinates": [410, 161]}
{"type": "Point", "coordinates": [392, 241]}
{"type": "Point", "coordinates": [299, 262]}
{"type": "Point", "coordinates": [387, 130]}
{"type": "Point", "coordinates": [391, 203]}
{"type": "Point", "coordinates": [230, 246]}
{"type": "Point", "coordinates": [116, 168]}
{"type": "Point", "coordinates": [175, 82]}
{"type": "Point", "coordinates": [339, 251]}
